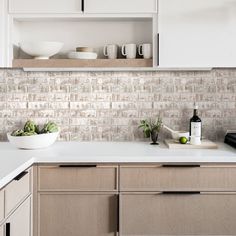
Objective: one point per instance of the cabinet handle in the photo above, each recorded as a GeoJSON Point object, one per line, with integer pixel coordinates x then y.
{"type": "Point", "coordinates": [20, 176]}
{"type": "Point", "coordinates": [181, 166]}
{"type": "Point", "coordinates": [158, 49]}
{"type": "Point", "coordinates": [8, 229]}
{"type": "Point", "coordinates": [77, 166]}
{"type": "Point", "coordinates": [118, 214]}
{"type": "Point", "coordinates": [82, 5]}
{"type": "Point", "coordinates": [180, 192]}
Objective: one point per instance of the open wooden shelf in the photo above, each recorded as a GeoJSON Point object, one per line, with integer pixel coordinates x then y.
{"type": "Point", "coordinates": [76, 63]}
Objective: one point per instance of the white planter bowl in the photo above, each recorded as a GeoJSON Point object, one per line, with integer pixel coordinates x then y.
{"type": "Point", "coordinates": [33, 142]}
{"type": "Point", "coordinates": [41, 50]}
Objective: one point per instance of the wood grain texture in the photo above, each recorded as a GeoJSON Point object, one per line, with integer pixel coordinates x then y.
{"type": "Point", "coordinates": [76, 63]}
{"type": "Point", "coordinates": [158, 178]}
{"type": "Point", "coordinates": [156, 214]}
{"type": "Point", "coordinates": [34, 211]}
{"type": "Point", "coordinates": [20, 220]}
{"type": "Point", "coordinates": [206, 144]}
{"type": "Point", "coordinates": [1, 205]}
{"type": "Point", "coordinates": [1, 230]}
{"type": "Point", "coordinates": [100, 178]}
{"type": "Point", "coordinates": [77, 214]}
{"type": "Point", "coordinates": [15, 192]}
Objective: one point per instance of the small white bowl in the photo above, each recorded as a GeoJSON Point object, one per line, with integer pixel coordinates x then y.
{"type": "Point", "coordinates": [41, 50]}
{"type": "Point", "coordinates": [37, 141]}
{"type": "Point", "coordinates": [82, 55]}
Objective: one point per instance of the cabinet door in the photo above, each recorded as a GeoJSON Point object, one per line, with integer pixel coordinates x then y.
{"type": "Point", "coordinates": [44, 6]}
{"type": "Point", "coordinates": [1, 205]}
{"type": "Point", "coordinates": [19, 223]}
{"type": "Point", "coordinates": [121, 6]}
{"type": "Point", "coordinates": [197, 33]}
{"type": "Point", "coordinates": [2, 32]}
{"type": "Point", "coordinates": [77, 214]}
{"type": "Point", "coordinates": [1, 230]}
{"type": "Point", "coordinates": [173, 214]}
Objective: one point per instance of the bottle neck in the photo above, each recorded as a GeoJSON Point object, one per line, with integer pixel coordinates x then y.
{"type": "Point", "coordinates": [195, 112]}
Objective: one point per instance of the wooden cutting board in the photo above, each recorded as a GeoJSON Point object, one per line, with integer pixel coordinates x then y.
{"type": "Point", "coordinates": [206, 144]}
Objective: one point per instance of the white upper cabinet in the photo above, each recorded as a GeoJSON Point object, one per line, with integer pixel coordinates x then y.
{"type": "Point", "coordinates": [197, 33]}
{"type": "Point", "coordinates": [3, 32]}
{"type": "Point", "coordinates": [120, 6]}
{"type": "Point", "coordinates": [45, 6]}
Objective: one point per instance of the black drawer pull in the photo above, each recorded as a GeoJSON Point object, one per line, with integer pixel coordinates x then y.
{"type": "Point", "coordinates": [118, 213]}
{"type": "Point", "coordinates": [181, 166]}
{"type": "Point", "coordinates": [158, 49]}
{"type": "Point", "coordinates": [82, 5]}
{"type": "Point", "coordinates": [78, 166]}
{"type": "Point", "coordinates": [20, 176]}
{"type": "Point", "coordinates": [181, 192]}
{"type": "Point", "coordinates": [8, 229]}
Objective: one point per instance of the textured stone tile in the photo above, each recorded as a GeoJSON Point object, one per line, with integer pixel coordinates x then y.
{"type": "Point", "coordinates": [59, 105]}
{"type": "Point", "coordinates": [124, 105]}
{"type": "Point", "coordinates": [105, 106]}
{"type": "Point", "coordinates": [17, 105]}
{"type": "Point", "coordinates": [38, 105]}
{"type": "Point", "coordinates": [82, 113]}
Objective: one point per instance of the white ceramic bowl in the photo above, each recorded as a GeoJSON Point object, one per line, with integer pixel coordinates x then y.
{"type": "Point", "coordinates": [41, 50]}
{"type": "Point", "coordinates": [178, 134]}
{"type": "Point", "coordinates": [33, 142]}
{"type": "Point", "coordinates": [82, 55]}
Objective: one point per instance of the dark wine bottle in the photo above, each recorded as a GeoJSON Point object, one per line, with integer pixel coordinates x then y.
{"type": "Point", "coordinates": [195, 128]}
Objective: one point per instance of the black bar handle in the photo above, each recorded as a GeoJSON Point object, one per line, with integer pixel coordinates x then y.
{"type": "Point", "coordinates": [8, 229]}
{"type": "Point", "coordinates": [158, 49]}
{"type": "Point", "coordinates": [180, 166]}
{"type": "Point", "coordinates": [82, 5]}
{"type": "Point", "coordinates": [77, 166]}
{"type": "Point", "coordinates": [20, 176]}
{"type": "Point", "coordinates": [118, 214]}
{"type": "Point", "coordinates": [181, 192]}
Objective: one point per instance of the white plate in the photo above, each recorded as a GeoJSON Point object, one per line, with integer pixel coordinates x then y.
{"type": "Point", "coordinates": [82, 55]}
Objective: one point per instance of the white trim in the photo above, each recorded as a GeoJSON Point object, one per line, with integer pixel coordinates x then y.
{"type": "Point", "coordinates": [125, 69]}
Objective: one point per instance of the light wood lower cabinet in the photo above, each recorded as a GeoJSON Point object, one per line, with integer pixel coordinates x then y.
{"type": "Point", "coordinates": [178, 214]}
{"type": "Point", "coordinates": [90, 214]}
{"type": "Point", "coordinates": [1, 230]}
{"type": "Point", "coordinates": [17, 191]}
{"type": "Point", "coordinates": [189, 178]}
{"type": "Point", "coordinates": [1, 205]}
{"type": "Point", "coordinates": [19, 223]}
{"type": "Point", "coordinates": [77, 178]}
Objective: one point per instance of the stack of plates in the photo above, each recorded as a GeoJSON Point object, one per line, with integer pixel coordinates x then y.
{"type": "Point", "coordinates": [82, 53]}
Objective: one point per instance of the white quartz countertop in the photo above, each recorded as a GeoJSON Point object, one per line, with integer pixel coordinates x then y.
{"type": "Point", "coordinates": [13, 161]}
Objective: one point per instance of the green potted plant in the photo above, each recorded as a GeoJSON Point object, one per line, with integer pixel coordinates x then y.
{"type": "Point", "coordinates": [151, 129]}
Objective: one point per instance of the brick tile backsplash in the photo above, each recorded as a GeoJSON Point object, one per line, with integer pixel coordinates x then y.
{"type": "Point", "coordinates": [107, 106]}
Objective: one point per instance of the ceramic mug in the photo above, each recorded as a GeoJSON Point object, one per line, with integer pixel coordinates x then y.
{"type": "Point", "coordinates": [110, 51]}
{"type": "Point", "coordinates": [145, 50]}
{"type": "Point", "coordinates": [129, 50]}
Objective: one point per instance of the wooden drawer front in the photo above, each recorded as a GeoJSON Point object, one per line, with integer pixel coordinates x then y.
{"type": "Point", "coordinates": [77, 214]}
{"type": "Point", "coordinates": [97, 178]}
{"type": "Point", "coordinates": [1, 205]}
{"type": "Point", "coordinates": [157, 214]}
{"type": "Point", "coordinates": [16, 191]}
{"type": "Point", "coordinates": [154, 178]}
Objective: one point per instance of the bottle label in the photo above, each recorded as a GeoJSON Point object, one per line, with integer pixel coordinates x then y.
{"type": "Point", "coordinates": [196, 129]}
